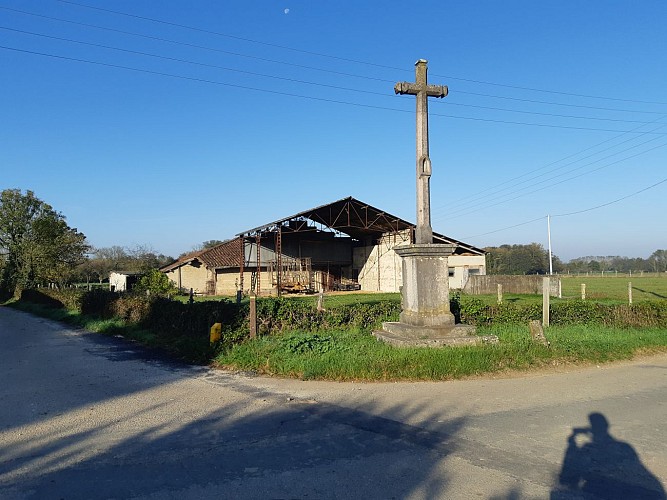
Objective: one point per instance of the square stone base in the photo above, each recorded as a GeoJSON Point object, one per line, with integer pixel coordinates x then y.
{"type": "Point", "coordinates": [402, 335]}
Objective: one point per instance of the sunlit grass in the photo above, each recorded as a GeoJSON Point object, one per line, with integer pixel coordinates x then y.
{"type": "Point", "coordinates": [357, 355]}
{"type": "Point", "coordinates": [611, 288]}
{"type": "Point", "coordinates": [354, 354]}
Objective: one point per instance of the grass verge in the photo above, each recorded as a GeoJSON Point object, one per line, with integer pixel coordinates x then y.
{"type": "Point", "coordinates": [354, 354]}
{"type": "Point", "coordinates": [357, 355]}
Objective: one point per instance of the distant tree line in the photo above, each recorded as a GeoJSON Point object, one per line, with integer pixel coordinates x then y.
{"type": "Point", "coordinates": [534, 259]}
{"type": "Point", "coordinates": [101, 261]}
{"type": "Point", "coordinates": [655, 263]}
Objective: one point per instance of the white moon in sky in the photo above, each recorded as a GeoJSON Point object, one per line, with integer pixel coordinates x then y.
{"type": "Point", "coordinates": [286, 11]}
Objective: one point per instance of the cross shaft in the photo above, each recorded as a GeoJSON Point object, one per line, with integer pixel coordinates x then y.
{"type": "Point", "coordinates": [421, 89]}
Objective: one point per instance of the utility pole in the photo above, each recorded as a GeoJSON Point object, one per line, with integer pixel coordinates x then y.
{"type": "Point", "coordinates": [551, 263]}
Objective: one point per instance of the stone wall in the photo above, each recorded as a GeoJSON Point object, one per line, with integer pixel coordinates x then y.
{"type": "Point", "coordinates": [380, 267]}
{"type": "Point", "coordinates": [485, 285]}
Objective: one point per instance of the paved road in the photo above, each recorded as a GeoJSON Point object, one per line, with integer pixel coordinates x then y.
{"type": "Point", "coordinates": [84, 416]}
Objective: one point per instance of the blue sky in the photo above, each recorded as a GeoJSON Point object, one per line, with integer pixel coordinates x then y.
{"type": "Point", "coordinates": [170, 123]}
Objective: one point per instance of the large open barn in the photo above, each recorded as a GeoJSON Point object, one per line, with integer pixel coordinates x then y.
{"type": "Point", "coordinates": [344, 245]}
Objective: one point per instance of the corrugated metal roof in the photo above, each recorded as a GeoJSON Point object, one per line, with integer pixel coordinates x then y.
{"type": "Point", "coordinates": [356, 219]}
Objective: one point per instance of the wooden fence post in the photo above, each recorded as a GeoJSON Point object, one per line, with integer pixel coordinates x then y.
{"type": "Point", "coordinates": [583, 291]}
{"type": "Point", "coordinates": [500, 293]}
{"type": "Point", "coordinates": [630, 292]}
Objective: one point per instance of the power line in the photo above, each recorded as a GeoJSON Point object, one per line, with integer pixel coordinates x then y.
{"type": "Point", "coordinates": [321, 99]}
{"type": "Point", "coordinates": [571, 213]}
{"type": "Point", "coordinates": [203, 47]}
{"type": "Point", "coordinates": [453, 91]}
{"type": "Point", "coordinates": [551, 103]}
{"type": "Point", "coordinates": [557, 92]}
{"type": "Point", "coordinates": [295, 80]}
{"type": "Point", "coordinates": [612, 202]}
{"type": "Point", "coordinates": [467, 211]}
{"type": "Point", "coordinates": [201, 80]}
{"type": "Point", "coordinates": [494, 190]}
{"type": "Point", "coordinates": [186, 61]}
{"type": "Point", "coordinates": [504, 228]}
{"type": "Point", "coordinates": [555, 115]}
{"type": "Point", "coordinates": [227, 35]}
{"type": "Point", "coordinates": [319, 54]}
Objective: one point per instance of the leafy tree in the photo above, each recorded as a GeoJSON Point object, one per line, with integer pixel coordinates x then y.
{"type": "Point", "coordinates": [37, 245]}
{"type": "Point", "coordinates": [156, 283]}
{"type": "Point", "coordinates": [520, 259]}
{"type": "Point", "coordinates": [117, 258]}
{"type": "Point", "coordinates": [211, 244]}
{"type": "Point", "coordinates": [658, 261]}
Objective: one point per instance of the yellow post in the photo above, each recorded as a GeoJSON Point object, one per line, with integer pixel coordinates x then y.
{"type": "Point", "coordinates": [216, 332]}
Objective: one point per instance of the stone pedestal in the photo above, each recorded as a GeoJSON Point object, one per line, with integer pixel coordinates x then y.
{"type": "Point", "coordinates": [426, 319]}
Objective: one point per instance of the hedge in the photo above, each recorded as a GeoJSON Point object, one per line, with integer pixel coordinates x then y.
{"type": "Point", "coordinates": [171, 319]}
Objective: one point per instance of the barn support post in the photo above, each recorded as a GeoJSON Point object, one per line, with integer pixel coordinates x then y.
{"type": "Point", "coordinates": [242, 264]}
{"type": "Point", "coordinates": [279, 259]}
{"type": "Point", "coordinates": [258, 280]}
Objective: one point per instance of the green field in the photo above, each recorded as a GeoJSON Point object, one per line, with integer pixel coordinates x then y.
{"type": "Point", "coordinates": [612, 288]}
{"type": "Point", "coordinates": [609, 289]}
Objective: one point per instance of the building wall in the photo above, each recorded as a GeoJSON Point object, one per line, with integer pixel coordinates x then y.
{"type": "Point", "coordinates": [228, 282]}
{"type": "Point", "coordinates": [464, 266]}
{"type": "Point", "coordinates": [117, 282]}
{"type": "Point", "coordinates": [380, 267]}
{"type": "Point", "coordinates": [191, 275]}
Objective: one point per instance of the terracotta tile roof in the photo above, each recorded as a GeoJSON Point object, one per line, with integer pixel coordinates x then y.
{"type": "Point", "coordinates": [225, 254]}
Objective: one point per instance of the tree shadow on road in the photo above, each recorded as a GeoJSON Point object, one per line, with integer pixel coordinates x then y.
{"type": "Point", "coordinates": [298, 450]}
{"type": "Point", "coordinates": [596, 465]}
{"type": "Point", "coordinates": [113, 433]}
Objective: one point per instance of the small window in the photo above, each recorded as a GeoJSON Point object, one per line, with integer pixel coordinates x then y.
{"type": "Point", "coordinates": [451, 272]}
{"type": "Point", "coordinates": [474, 271]}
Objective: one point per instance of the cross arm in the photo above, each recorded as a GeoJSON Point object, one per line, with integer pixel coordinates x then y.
{"type": "Point", "coordinates": [414, 89]}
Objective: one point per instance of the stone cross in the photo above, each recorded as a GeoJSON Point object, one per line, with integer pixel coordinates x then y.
{"type": "Point", "coordinates": [422, 90]}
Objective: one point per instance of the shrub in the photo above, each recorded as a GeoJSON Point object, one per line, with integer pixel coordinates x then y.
{"type": "Point", "coordinates": [156, 283]}
{"type": "Point", "coordinates": [578, 312]}
{"type": "Point", "coordinates": [68, 298]}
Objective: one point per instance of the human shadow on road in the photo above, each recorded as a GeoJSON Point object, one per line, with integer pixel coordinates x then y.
{"type": "Point", "coordinates": [598, 466]}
